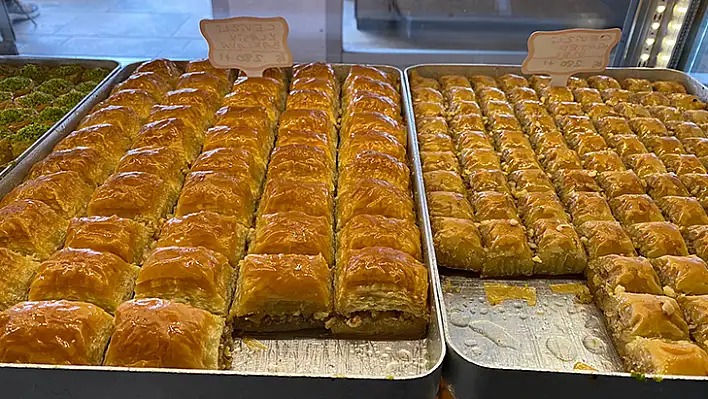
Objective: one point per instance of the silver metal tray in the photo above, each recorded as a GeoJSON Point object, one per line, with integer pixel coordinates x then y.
{"type": "Point", "coordinates": [64, 126]}
{"type": "Point", "coordinates": [510, 348]}
{"type": "Point", "coordinates": [262, 367]}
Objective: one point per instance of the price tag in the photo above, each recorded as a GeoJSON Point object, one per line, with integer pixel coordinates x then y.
{"type": "Point", "coordinates": [248, 43]}
{"type": "Point", "coordinates": [562, 53]}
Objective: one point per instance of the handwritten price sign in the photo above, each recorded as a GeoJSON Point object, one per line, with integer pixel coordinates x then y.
{"type": "Point", "coordinates": [565, 52]}
{"type": "Point", "coordinates": [247, 43]}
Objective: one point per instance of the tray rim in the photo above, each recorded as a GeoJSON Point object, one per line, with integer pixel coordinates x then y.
{"type": "Point", "coordinates": [448, 340]}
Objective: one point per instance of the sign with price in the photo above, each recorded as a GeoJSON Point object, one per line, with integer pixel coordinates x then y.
{"type": "Point", "coordinates": [562, 53]}
{"type": "Point", "coordinates": [247, 43]}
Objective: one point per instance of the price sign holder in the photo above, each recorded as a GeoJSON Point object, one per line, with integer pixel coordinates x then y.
{"type": "Point", "coordinates": [248, 43]}
{"type": "Point", "coordinates": [562, 53]}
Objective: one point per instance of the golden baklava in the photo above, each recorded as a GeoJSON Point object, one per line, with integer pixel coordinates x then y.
{"type": "Point", "coordinates": [31, 228]}
{"type": "Point", "coordinates": [217, 192]}
{"type": "Point", "coordinates": [124, 238]}
{"type": "Point", "coordinates": [18, 271]}
{"type": "Point", "coordinates": [683, 274]}
{"type": "Point", "coordinates": [612, 274]}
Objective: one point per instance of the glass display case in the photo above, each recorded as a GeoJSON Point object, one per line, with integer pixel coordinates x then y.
{"type": "Point", "coordinates": [495, 31]}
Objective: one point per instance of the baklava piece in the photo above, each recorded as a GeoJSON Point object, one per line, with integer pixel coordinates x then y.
{"type": "Point", "coordinates": [217, 192]}
{"type": "Point", "coordinates": [631, 111]}
{"type": "Point", "coordinates": [507, 249]}
{"type": "Point", "coordinates": [365, 231]}
{"type": "Point", "coordinates": [683, 211]}
{"type": "Point", "coordinates": [559, 159]}
{"type": "Point", "coordinates": [218, 233]}
{"type": "Point", "coordinates": [376, 165]}
{"type": "Point", "coordinates": [489, 205]}
{"type": "Point", "coordinates": [697, 185]}
{"type": "Point", "coordinates": [170, 133]}
{"type": "Point", "coordinates": [646, 127]}
{"type": "Point", "coordinates": [535, 206]}
{"type": "Point", "coordinates": [697, 240]}
{"type": "Point", "coordinates": [686, 101]}
{"type": "Point", "coordinates": [259, 142]}
{"type": "Point", "coordinates": [532, 180]}
{"type": "Point", "coordinates": [100, 278]}
{"type": "Point", "coordinates": [140, 101]}
{"type": "Point", "coordinates": [587, 96]}
{"type": "Point", "coordinates": [569, 181]}
{"type": "Point", "coordinates": [432, 161]}
{"type": "Point", "coordinates": [87, 162]}
{"type": "Point", "coordinates": [167, 69]}
{"type": "Point", "coordinates": [603, 161]}
{"type": "Point", "coordinates": [510, 81]}
{"type": "Point", "coordinates": [458, 243]}
{"type": "Point", "coordinates": [662, 145]}
{"type": "Point", "coordinates": [54, 332]}
{"type": "Point", "coordinates": [151, 82]}
{"type": "Point", "coordinates": [301, 162]}
{"type": "Point", "coordinates": [605, 238]}
{"type": "Point", "coordinates": [618, 183]}
{"type": "Point", "coordinates": [488, 180]}
{"type": "Point", "coordinates": [294, 233]}
{"type": "Point", "coordinates": [108, 140]}
{"type": "Point", "coordinates": [602, 82]}
{"type": "Point", "coordinates": [428, 142]}
{"type": "Point", "coordinates": [556, 94]}
{"type": "Point", "coordinates": [667, 86]}
{"type": "Point", "coordinates": [449, 205]}
{"type": "Point", "coordinates": [655, 239]}
{"type": "Point", "coordinates": [613, 96]}
{"type": "Point", "coordinates": [612, 274]}
{"type": "Point", "coordinates": [626, 145]}
{"type": "Point", "coordinates": [192, 275]}
{"type": "Point", "coordinates": [683, 274]}
{"type": "Point", "coordinates": [161, 333]}
{"type": "Point", "coordinates": [635, 208]}
{"type": "Point", "coordinates": [479, 159]}
{"type": "Point", "coordinates": [666, 114]}
{"type": "Point", "coordinates": [695, 310]}
{"type": "Point", "coordinates": [660, 185]}
{"type": "Point", "coordinates": [377, 197]}
{"type": "Point", "coordinates": [18, 271]}
{"type": "Point", "coordinates": [164, 162]}
{"type": "Point", "coordinates": [697, 146]}
{"type": "Point", "coordinates": [585, 207]}
{"type": "Point", "coordinates": [684, 130]}
{"type": "Point", "coordinates": [135, 195]}
{"type": "Point", "coordinates": [637, 85]}
{"type": "Point", "coordinates": [645, 164]}
{"type": "Point", "coordinates": [31, 228]}
{"type": "Point", "coordinates": [65, 192]}
{"type": "Point", "coordinates": [378, 141]}
{"type": "Point", "coordinates": [558, 247]}
{"type": "Point", "coordinates": [682, 164]}
{"type": "Point", "coordinates": [697, 116]}
{"type": "Point", "coordinates": [380, 292]}
{"type": "Point", "coordinates": [124, 238]}
{"type": "Point", "coordinates": [657, 356]}
{"type": "Point", "coordinates": [650, 99]}
{"type": "Point", "coordinates": [442, 180]}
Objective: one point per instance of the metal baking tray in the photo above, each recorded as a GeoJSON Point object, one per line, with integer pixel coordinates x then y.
{"type": "Point", "coordinates": [502, 350]}
{"type": "Point", "coordinates": [270, 367]}
{"type": "Point", "coordinates": [64, 126]}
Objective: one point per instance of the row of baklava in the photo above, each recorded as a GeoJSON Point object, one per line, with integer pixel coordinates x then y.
{"type": "Point", "coordinates": [380, 282]}
{"type": "Point", "coordinates": [284, 281]}
{"type": "Point", "coordinates": [97, 266]}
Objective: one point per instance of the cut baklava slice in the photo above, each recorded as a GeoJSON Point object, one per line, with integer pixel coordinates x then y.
{"type": "Point", "coordinates": [163, 162]}
{"type": "Point", "coordinates": [368, 102]}
{"type": "Point", "coordinates": [565, 108]}
{"type": "Point", "coordinates": [151, 82]}
{"type": "Point", "coordinates": [266, 104]}
{"type": "Point", "coordinates": [655, 239]}
{"type": "Point", "coordinates": [65, 192]}
{"type": "Point", "coordinates": [173, 134]}
{"type": "Point", "coordinates": [427, 94]}
{"type": "Point", "coordinates": [605, 238]}
{"type": "Point", "coordinates": [435, 124]}
{"type": "Point", "coordinates": [428, 109]}
{"type": "Point", "coordinates": [497, 108]}
{"type": "Point", "coordinates": [695, 310]}
{"type": "Point", "coordinates": [568, 181]}
{"type": "Point", "coordinates": [167, 69]}
{"type": "Point", "coordinates": [457, 94]}
{"type": "Point", "coordinates": [54, 332]}
{"type": "Point", "coordinates": [697, 146]}
{"type": "Point", "coordinates": [510, 81]}
{"type": "Point", "coordinates": [603, 161]}
{"type": "Point", "coordinates": [293, 232]}
{"type": "Point", "coordinates": [589, 143]}
{"type": "Point", "coordinates": [663, 145]}
{"type": "Point", "coordinates": [602, 82]}
{"type": "Point", "coordinates": [378, 197]}
{"type": "Point", "coordinates": [698, 116]}
{"type": "Point", "coordinates": [464, 122]}
{"type": "Point", "coordinates": [684, 130]}
{"type": "Point", "coordinates": [657, 356]}
{"type": "Point", "coordinates": [532, 180]}
{"type": "Point", "coordinates": [645, 164]}
{"type": "Point", "coordinates": [134, 195]}
{"type": "Point", "coordinates": [359, 84]}
{"type": "Point", "coordinates": [447, 160]}
{"type": "Point", "coordinates": [684, 101]}
{"type": "Point", "coordinates": [18, 272]}
{"type": "Point", "coordinates": [668, 86]}
{"type": "Point", "coordinates": [697, 240]}
{"type": "Point", "coordinates": [534, 206]}
{"type": "Point", "coordinates": [556, 94]}
{"type": "Point", "coordinates": [613, 125]}
{"type": "Point", "coordinates": [219, 233]}
{"type": "Point", "coordinates": [660, 185]}
{"type": "Point", "coordinates": [380, 292]}
{"type": "Point", "coordinates": [457, 243]}
{"type": "Point", "coordinates": [697, 185]}
{"type": "Point", "coordinates": [478, 159]}
{"type": "Point", "coordinates": [468, 140]}
{"type": "Point", "coordinates": [631, 111]}
{"type": "Point", "coordinates": [193, 275]}
{"type": "Point", "coordinates": [301, 162]}
{"type": "Point", "coordinates": [635, 208]}
{"type": "Point", "coordinates": [588, 206]}
{"type": "Point", "coordinates": [205, 101]}
{"type": "Point", "coordinates": [539, 82]}
{"type": "Point", "coordinates": [381, 142]}
{"type": "Point", "coordinates": [626, 145]}
{"type": "Point", "coordinates": [85, 275]}
{"type": "Point", "coordinates": [186, 113]}
{"type": "Point", "coordinates": [460, 108]}
{"type": "Point", "coordinates": [683, 274]}
{"type": "Point", "coordinates": [618, 183]}
{"type": "Point", "coordinates": [666, 114]}
{"type": "Point", "coordinates": [205, 81]}
{"type": "Point", "coordinates": [614, 96]}
{"type": "Point", "coordinates": [309, 99]}
{"type": "Point", "coordinates": [518, 94]}
{"type": "Point", "coordinates": [489, 205]}
{"type": "Point", "coordinates": [31, 228]}
{"type": "Point", "coordinates": [444, 181]}
{"type": "Point", "coordinates": [140, 101]}
{"type": "Point", "coordinates": [449, 81]}
{"type": "Point", "coordinates": [247, 138]}
{"type": "Point", "coordinates": [235, 162]}
{"type": "Point", "coordinates": [217, 192]}
{"type": "Point", "coordinates": [488, 180]}
{"type": "Point", "coordinates": [162, 333]}
{"type": "Point", "coordinates": [257, 118]}
{"type": "Point", "coordinates": [448, 204]}
{"type": "Point", "coordinates": [636, 85]}
{"type": "Point", "coordinates": [489, 93]}
{"type": "Point", "coordinates": [559, 159]}
{"type": "Point", "coordinates": [108, 140]}
{"type": "Point", "coordinates": [206, 66]}
{"type": "Point", "coordinates": [365, 231]}
{"type": "Point", "coordinates": [631, 315]}
{"type": "Point", "coordinates": [683, 211]}
{"type": "Point", "coordinates": [363, 121]}
{"type": "Point", "coordinates": [612, 274]}
{"type": "Point", "coordinates": [87, 162]}
{"type": "Point", "coordinates": [597, 111]}
{"type": "Point", "coordinates": [124, 238]}
{"type": "Point", "coordinates": [507, 249]}
{"type": "Point", "coordinates": [558, 247]}
{"type": "Point", "coordinates": [282, 195]}
{"type": "Point", "coordinates": [683, 163]}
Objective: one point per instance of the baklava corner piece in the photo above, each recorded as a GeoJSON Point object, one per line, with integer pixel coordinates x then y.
{"type": "Point", "coordinates": [282, 292]}
{"type": "Point", "coordinates": [30, 331]}
{"type": "Point", "coordinates": [162, 333]}
{"type": "Point", "coordinates": [380, 292]}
